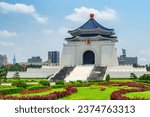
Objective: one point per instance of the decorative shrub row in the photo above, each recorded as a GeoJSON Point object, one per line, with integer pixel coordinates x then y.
{"type": "Point", "coordinates": [19, 83]}
{"type": "Point", "coordinates": [51, 96]}
{"type": "Point", "coordinates": [36, 87]}
{"type": "Point", "coordinates": [130, 84]}
{"type": "Point", "coordinates": [35, 91]}
{"type": "Point", "coordinates": [57, 86]}
{"type": "Point", "coordinates": [6, 91]}
{"type": "Point", "coordinates": [118, 95]}
{"type": "Point", "coordinates": [60, 82]}
{"type": "Point", "coordinates": [44, 83]}
{"type": "Point", "coordinates": [145, 77]}
{"type": "Point", "coordinates": [78, 84]}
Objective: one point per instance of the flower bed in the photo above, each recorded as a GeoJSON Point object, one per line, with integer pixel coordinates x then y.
{"type": "Point", "coordinates": [51, 96]}
{"type": "Point", "coordinates": [130, 84]}
{"type": "Point", "coordinates": [118, 95]}
{"type": "Point", "coordinates": [35, 91]}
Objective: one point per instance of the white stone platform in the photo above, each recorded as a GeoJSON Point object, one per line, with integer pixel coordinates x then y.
{"type": "Point", "coordinates": [124, 71]}
{"type": "Point", "coordinates": [37, 72]}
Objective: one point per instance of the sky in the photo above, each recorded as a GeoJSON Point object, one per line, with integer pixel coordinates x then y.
{"type": "Point", "coordinates": [34, 27]}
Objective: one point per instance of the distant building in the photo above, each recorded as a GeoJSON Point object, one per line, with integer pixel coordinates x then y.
{"type": "Point", "coordinates": [14, 60]}
{"type": "Point", "coordinates": [3, 60]}
{"type": "Point", "coordinates": [53, 56]}
{"type": "Point", "coordinates": [35, 59]}
{"type": "Point", "coordinates": [123, 60]}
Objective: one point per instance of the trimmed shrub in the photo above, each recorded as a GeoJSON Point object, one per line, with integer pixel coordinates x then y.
{"type": "Point", "coordinates": [57, 86]}
{"type": "Point", "coordinates": [35, 91]}
{"type": "Point", "coordinates": [36, 87]}
{"type": "Point", "coordinates": [145, 77]}
{"type": "Point", "coordinates": [60, 82]}
{"type": "Point", "coordinates": [133, 76]}
{"type": "Point", "coordinates": [6, 91]}
{"type": "Point", "coordinates": [19, 83]}
{"type": "Point", "coordinates": [108, 78]}
{"type": "Point", "coordinates": [80, 81]}
{"type": "Point", "coordinates": [44, 82]}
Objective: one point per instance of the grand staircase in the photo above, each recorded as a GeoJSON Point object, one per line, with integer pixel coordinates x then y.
{"type": "Point", "coordinates": [97, 73]}
{"type": "Point", "coordinates": [65, 71]}
{"type": "Point", "coordinates": [80, 73]}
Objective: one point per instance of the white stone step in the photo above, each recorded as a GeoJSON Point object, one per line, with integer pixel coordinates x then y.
{"type": "Point", "coordinates": [80, 73]}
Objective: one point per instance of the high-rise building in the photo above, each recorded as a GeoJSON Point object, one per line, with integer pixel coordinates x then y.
{"type": "Point", "coordinates": [35, 59]}
{"type": "Point", "coordinates": [53, 56]}
{"type": "Point", "coordinates": [14, 59]}
{"type": "Point", "coordinates": [124, 60]}
{"type": "Point", "coordinates": [3, 60]}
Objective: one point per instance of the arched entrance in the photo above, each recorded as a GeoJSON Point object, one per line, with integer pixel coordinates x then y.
{"type": "Point", "coordinates": [88, 57]}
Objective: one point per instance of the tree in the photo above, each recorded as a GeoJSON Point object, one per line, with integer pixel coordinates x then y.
{"type": "Point", "coordinates": [3, 74]}
{"type": "Point", "coordinates": [107, 77]}
{"type": "Point", "coordinates": [16, 67]}
{"type": "Point", "coordinates": [16, 75]}
{"type": "Point", "coordinates": [133, 76]}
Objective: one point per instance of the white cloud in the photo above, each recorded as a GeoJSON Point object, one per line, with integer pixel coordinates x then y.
{"type": "Point", "coordinates": [145, 52]}
{"type": "Point", "coordinates": [7, 44]}
{"type": "Point", "coordinates": [5, 33]}
{"type": "Point", "coordinates": [63, 30]}
{"type": "Point", "coordinates": [47, 31]}
{"type": "Point", "coordinates": [143, 60]}
{"type": "Point", "coordinates": [144, 56]}
{"type": "Point", "coordinates": [82, 14]}
{"type": "Point", "coordinates": [22, 8]}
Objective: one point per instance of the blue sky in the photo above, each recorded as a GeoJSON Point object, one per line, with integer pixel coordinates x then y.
{"type": "Point", "coordinates": [34, 27]}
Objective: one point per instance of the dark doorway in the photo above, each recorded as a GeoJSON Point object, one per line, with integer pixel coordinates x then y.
{"type": "Point", "coordinates": [88, 57]}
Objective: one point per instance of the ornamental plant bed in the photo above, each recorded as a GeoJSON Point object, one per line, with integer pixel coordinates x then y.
{"type": "Point", "coordinates": [51, 96]}
{"type": "Point", "coordinates": [35, 91]}
{"type": "Point", "coordinates": [129, 84]}
{"type": "Point", "coordinates": [117, 95]}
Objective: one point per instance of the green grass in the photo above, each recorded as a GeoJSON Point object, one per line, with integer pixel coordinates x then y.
{"type": "Point", "coordinates": [87, 93]}
{"type": "Point", "coordinates": [41, 93]}
{"type": "Point", "coordinates": [10, 80]}
{"type": "Point", "coordinates": [145, 94]}
{"type": "Point", "coordinates": [121, 80]}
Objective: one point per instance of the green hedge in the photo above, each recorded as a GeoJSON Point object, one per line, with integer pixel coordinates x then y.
{"type": "Point", "coordinates": [44, 83]}
{"type": "Point", "coordinates": [6, 91]}
{"type": "Point", "coordinates": [57, 86]}
{"type": "Point", "coordinates": [60, 82]}
{"type": "Point", "coordinates": [19, 83]}
{"type": "Point", "coordinates": [36, 87]}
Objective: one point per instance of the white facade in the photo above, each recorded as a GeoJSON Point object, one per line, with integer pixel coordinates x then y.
{"type": "Point", "coordinates": [104, 51]}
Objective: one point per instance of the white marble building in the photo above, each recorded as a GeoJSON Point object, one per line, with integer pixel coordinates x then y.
{"type": "Point", "coordinates": [90, 44]}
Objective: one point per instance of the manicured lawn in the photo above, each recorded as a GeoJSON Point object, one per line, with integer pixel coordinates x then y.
{"type": "Point", "coordinates": [145, 94]}
{"type": "Point", "coordinates": [9, 80]}
{"type": "Point", "coordinates": [87, 93]}
{"type": "Point", "coordinates": [121, 80]}
{"type": "Point", "coordinates": [41, 93]}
